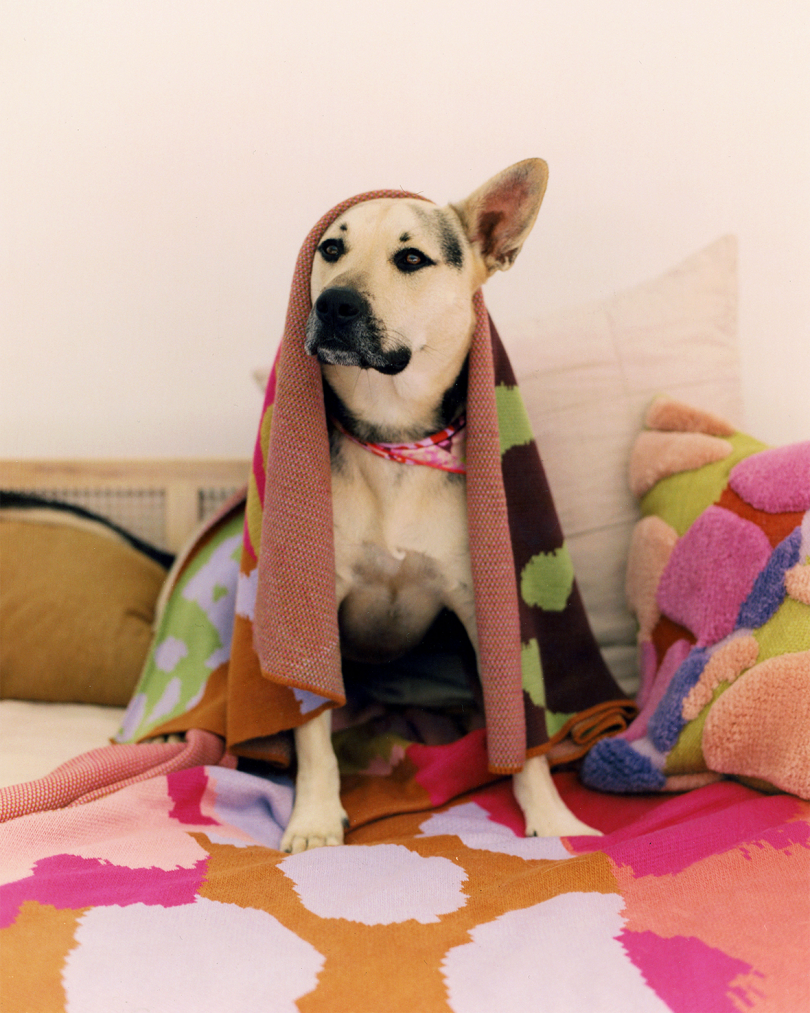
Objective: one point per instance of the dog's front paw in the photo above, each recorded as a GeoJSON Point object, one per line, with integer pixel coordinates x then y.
{"type": "Point", "coordinates": [545, 812]}
{"type": "Point", "coordinates": [312, 827]}
{"type": "Point", "coordinates": [559, 825]}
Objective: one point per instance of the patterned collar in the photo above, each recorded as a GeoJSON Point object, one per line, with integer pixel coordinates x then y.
{"type": "Point", "coordinates": [445, 450]}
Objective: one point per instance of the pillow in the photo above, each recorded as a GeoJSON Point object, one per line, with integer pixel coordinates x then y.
{"type": "Point", "coordinates": [76, 610]}
{"type": "Point", "coordinates": [587, 375]}
{"type": "Point", "coordinates": [719, 579]}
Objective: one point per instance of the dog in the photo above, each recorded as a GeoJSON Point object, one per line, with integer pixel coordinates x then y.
{"type": "Point", "coordinates": [391, 324]}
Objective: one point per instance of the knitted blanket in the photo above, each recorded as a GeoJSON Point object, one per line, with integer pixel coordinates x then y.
{"type": "Point", "coordinates": [171, 894]}
{"type": "Point", "coordinates": [543, 679]}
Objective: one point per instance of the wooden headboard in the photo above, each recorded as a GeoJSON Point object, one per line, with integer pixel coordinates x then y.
{"type": "Point", "coordinates": [161, 501]}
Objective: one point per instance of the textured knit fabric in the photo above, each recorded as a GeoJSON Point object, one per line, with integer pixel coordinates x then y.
{"type": "Point", "coordinates": [543, 678]}
{"type": "Point", "coordinates": [719, 578]}
{"type": "Point", "coordinates": [172, 895]}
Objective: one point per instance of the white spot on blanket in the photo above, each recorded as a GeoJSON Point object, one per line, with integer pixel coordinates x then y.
{"type": "Point", "coordinates": [308, 701]}
{"type": "Point", "coordinates": [213, 588]}
{"type": "Point", "coordinates": [381, 884]}
{"type": "Point", "coordinates": [169, 653]}
{"type": "Point", "coordinates": [560, 955]}
{"type": "Point", "coordinates": [132, 718]}
{"type": "Point", "coordinates": [168, 701]}
{"type": "Point", "coordinates": [473, 827]}
{"type": "Point", "coordinates": [246, 594]}
{"type": "Point", "coordinates": [132, 958]}
{"type": "Point", "coordinates": [252, 810]}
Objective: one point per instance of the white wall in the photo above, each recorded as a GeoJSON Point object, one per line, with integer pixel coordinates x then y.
{"type": "Point", "coordinates": [163, 160]}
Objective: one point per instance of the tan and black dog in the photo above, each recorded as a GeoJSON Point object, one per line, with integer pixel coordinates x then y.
{"type": "Point", "coordinates": [391, 324]}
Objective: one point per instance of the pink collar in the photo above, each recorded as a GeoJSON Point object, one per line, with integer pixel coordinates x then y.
{"type": "Point", "coordinates": [445, 450]}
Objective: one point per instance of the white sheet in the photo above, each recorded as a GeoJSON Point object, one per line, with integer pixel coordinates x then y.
{"type": "Point", "coordinates": [35, 738]}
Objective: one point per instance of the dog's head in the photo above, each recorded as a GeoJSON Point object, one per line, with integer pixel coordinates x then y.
{"type": "Point", "coordinates": [393, 279]}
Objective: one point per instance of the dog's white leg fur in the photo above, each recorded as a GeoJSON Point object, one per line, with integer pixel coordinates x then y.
{"type": "Point", "coordinates": [318, 819]}
{"type": "Point", "coordinates": [546, 813]}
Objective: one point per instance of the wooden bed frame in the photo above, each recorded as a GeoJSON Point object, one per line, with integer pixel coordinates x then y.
{"type": "Point", "coordinates": [160, 500]}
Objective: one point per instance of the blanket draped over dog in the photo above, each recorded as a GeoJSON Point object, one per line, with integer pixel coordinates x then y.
{"type": "Point", "coordinates": [544, 681]}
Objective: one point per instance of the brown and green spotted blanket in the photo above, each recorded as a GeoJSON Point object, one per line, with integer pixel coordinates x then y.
{"type": "Point", "coordinates": [543, 679]}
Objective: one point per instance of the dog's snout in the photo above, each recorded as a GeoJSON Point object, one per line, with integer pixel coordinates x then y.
{"type": "Point", "coordinates": [339, 307]}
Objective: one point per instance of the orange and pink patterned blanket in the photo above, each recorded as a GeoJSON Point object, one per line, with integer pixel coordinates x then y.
{"type": "Point", "coordinates": [170, 894]}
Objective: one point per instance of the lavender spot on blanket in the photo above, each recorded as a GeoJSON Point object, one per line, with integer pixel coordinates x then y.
{"type": "Point", "coordinates": [382, 884]}
{"type": "Point", "coordinates": [213, 588]}
{"type": "Point", "coordinates": [168, 701]}
{"type": "Point", "coordinates": [169, 653]}
{"type": "Point", "coordinates": [308, 701]}
{"type": "Point", "coordinates": [768, 591]}
{"type": "Point", "coordinates": [246, 594]}
{"type": "Point", "coordinates": [132, 718]}
{"type": "Point", "coordinates": [471, 823]}
{"type": "Point", "coordinates": [70, 882]}
{"type": "Point", "coordinates": [577, 935]}
{"type": "Point", "coordinates": [207, 956]}
{"type": "Point", "coordinates": [258, 807]}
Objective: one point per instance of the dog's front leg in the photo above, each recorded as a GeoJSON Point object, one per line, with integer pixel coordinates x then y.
{"type": "Point", "coordinates": [545, 812]}
{"type": "Point", "coordinates": [318, 819]}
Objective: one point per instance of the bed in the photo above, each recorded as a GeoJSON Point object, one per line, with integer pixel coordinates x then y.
{"type": "Point", "coordinates": [158, 885]}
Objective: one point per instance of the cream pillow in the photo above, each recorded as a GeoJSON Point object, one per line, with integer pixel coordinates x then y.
{"type": "Point", "coordinates": [587, 376]}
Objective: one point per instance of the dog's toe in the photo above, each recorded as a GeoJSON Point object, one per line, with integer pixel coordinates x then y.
{"type": "Point", "coordinates": [565, 826]}
{"type": "Point", "coordinates": [307, 831]}
{"type": "Point", "coordinates": [298, 843]}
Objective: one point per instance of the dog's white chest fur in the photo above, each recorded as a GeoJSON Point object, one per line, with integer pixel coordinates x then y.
{"type": "Point", "coordinates": [401, 550]}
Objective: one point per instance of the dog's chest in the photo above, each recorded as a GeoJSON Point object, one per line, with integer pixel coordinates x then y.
{"type": "Point", "coordinates": [401, 549]}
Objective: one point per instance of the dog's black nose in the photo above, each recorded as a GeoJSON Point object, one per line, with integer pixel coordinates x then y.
{"type": "Point", "coordinates": [339, 307]}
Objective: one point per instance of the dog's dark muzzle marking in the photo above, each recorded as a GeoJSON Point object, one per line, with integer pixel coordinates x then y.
{"type": "Point", "coordinates": [342, 331]}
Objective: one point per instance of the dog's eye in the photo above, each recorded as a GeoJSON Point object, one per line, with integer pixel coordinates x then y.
{"type": "Point", "coordinates": [332, 250]}
{"type": "Point", "coordinates": [411, 260]}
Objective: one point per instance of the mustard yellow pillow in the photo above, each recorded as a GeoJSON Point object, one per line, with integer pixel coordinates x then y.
{"type": "Point", "coordinates": [77, 604]}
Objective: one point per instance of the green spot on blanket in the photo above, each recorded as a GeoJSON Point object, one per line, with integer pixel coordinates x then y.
{"type": "Point", "coordinates": [535, 688]}
{"type": "Point", "coordinates": [514, 428]}
{"type": "Point", "coordinates": [547, 580]}
{"type": "Point", "coordinates": [532, 670]}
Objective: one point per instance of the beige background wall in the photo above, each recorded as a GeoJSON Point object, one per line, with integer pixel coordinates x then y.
{"type": "Point", "coordinates": [162, 161]}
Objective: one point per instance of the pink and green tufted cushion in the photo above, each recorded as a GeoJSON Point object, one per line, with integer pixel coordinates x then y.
{"type": "Point", "coordinates": [719, 579]}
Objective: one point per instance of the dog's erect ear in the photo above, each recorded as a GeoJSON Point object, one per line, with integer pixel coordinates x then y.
{"type": "Point", "coordinates": [499, 215]}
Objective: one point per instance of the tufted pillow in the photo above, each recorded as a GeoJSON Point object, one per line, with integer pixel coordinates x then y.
{"type": "Point", "coordinates": [719, 579]}
{"type": "Point", "coordinates": [76, 609]}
